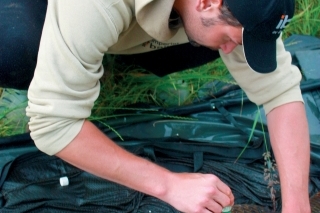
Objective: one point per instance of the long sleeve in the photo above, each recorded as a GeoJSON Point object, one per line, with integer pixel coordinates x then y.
{"type": "Point", "coordinates": [272, 89]}
{"type": "Point", "coordinates": [75, 37]}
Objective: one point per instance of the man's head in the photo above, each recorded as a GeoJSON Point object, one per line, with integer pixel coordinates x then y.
{"type": "Point", "coordinates": [218, 24]}
{"type": "Point", "coordinates": [204, 27]}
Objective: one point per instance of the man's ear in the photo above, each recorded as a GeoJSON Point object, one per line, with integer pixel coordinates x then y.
{"type": "Point", "coordinates": [206, 5]}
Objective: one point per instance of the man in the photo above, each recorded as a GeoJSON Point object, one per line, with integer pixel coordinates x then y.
{"type": "Point", "coordinates": [66, 83]}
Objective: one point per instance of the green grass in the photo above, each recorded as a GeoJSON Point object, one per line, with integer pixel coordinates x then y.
{"type": "Point", "coordinates": [123, 87]}
{"type": "Point", "coordinates": [306, 20]}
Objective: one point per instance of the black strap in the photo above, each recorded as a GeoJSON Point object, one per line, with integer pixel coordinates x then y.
{"type": "Point", "coordinates": [4, 172]}
{"type": "Point", "coordinates": [231, 119]}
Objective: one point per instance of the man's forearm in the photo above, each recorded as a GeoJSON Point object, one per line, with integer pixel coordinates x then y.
{"type": "Point", "coordinates": [93, 152]}
{"type": "Point", "coordinates": [289, 136]}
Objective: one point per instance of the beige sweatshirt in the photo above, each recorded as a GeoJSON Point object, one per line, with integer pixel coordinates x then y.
{"type": "Point", "coordinates": [77, 34]}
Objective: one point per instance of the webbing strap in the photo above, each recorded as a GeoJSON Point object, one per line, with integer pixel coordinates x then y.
{"type": "Point", "coordinates": [4, 172]}
{"type": "Point", "coordinates": [316, 96]}
{"type": "Point", "coordinates": [197, 161]}
{"type": "Point", "coordinates": [149, 152]}
{"type": "Point", "coordinates": [231, 119]}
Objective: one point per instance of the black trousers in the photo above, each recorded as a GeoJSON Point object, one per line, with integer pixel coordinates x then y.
{"type": "Point", "coordinates": [21, 23]}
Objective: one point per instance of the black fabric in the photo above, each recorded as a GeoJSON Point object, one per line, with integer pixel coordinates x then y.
{"type": "Point", "coordinates": [20, 31]}
{"type": "Point", "coordinates": [39, 175]}
{"type": "Point", "coordinates": [171, 59]}
{"type": "Point", "coordinates": [33, 186]}
{"type": "Point", "coordinates": [305, 52]}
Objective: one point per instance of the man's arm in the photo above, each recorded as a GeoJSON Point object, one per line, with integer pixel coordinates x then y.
{"type": "Point", "coordinates": [289, 136]}
{"type": "Point", "coordinates": [92, 151]}
{"type": "Point", "coordinates": [280, 94]}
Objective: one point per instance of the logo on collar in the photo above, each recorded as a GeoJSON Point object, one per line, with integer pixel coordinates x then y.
{"type": "Point", "coordinates": [282, 24]}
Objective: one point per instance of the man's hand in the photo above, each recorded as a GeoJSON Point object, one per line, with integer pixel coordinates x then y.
{"type": "Point", "coordinates": [93, 152]}
{"type": "Point", "coordinates": [198, 193]}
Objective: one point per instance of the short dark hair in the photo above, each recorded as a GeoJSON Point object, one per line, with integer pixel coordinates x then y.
{"type": "Point", "coordinates": [225, 17]}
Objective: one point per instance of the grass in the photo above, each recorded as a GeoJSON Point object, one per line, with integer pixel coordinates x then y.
{"type": "Point", "coordinates": [306, 20]}
{"type": "Point", "coordinates": [124, 87]}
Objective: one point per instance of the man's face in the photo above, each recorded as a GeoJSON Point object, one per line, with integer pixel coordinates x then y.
{"type": "Point", "coordinates": [203, 26]}
{"type": "Point", "coordinates": [224, 37]}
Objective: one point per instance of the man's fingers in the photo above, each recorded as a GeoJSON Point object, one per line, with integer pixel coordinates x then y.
{"type": "Point", "coordinates": [199, 193]}
{"type": "Point", "coordinates": [213, 206]}
{"type": "Point", "coordinates": [219, 201]}
{"type": "Point", "coordinates": [222, 187]}
{"type": "Point", "coordinates": [221, 196]}
{"type": "Point", "coordinates": [207, 211]}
